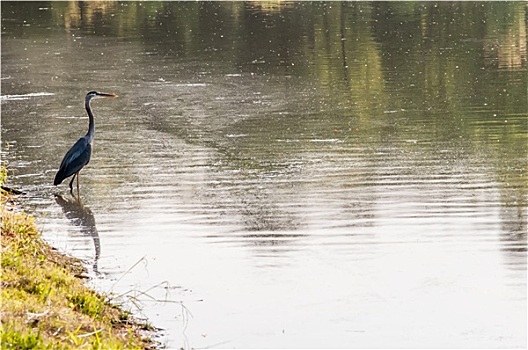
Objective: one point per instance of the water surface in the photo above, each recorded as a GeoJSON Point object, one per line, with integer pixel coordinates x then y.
{"type": "Point", "coordinates": [334, 175]}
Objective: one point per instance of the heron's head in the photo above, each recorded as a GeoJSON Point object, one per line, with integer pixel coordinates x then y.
{"type": "Point", "coordinates": [93, 94]}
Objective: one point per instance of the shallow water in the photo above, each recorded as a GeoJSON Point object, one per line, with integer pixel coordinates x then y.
{"type": "Point", "coordinates": [282, 174]}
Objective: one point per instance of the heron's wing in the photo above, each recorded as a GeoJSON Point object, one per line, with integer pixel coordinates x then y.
{"type": "Point", "coordinates": [74, 160]}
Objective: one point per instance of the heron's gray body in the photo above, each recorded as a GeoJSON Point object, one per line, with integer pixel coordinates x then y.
{"type": "Point", "coordinates": [74, 160]}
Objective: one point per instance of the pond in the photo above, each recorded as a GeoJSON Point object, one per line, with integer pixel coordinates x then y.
{"type": "Point", "coordinates": [282, 174]}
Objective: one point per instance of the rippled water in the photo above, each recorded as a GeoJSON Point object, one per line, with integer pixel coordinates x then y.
{"type": "Point", "coordinates": [295, 175]}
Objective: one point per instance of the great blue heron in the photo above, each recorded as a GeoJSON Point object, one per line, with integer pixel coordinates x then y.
{"type": "Point", "coordinates": [79, 155]}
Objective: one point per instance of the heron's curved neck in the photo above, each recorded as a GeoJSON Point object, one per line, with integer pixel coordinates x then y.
{"type": "Point", "coordinates": [91, 125]}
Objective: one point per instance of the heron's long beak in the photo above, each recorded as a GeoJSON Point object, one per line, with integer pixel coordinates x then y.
{"type": "Point", "coordinates": [106, 95]}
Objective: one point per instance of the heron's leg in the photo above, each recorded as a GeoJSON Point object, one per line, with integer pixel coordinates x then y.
{"type": "Point", "coordinates": [71, 184]}
{"type": "Point", "coordinates": [78, 193]}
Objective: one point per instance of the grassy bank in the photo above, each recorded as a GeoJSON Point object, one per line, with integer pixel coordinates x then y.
{"type": "Point", "coordinates": [44, 302]}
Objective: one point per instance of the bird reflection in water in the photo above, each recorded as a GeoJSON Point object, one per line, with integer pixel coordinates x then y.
{"type": "Point", "coordinates": [82, 216]}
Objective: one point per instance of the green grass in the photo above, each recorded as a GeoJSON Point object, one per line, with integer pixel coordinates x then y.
{"type": "Point", "coordinates": [44, 303]}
